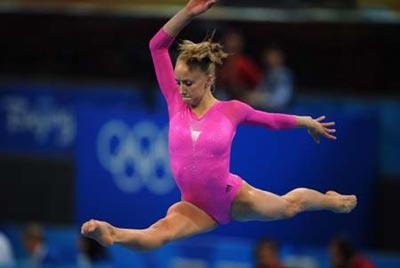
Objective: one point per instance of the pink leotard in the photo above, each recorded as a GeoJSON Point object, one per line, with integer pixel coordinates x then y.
{"type": "Point", "coordinates": [200, 147]}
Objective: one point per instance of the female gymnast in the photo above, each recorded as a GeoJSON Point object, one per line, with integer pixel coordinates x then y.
{"type": "Point", "coordinates": [200, 136]}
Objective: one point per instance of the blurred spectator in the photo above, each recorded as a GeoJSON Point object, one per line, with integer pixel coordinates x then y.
{"type": "Point", "coordinates": [300, 261]}
{"type": "Point", "coordinates": [276, 90]}
{"type": "Point", "coordinates": [92, 253]}
{"type": "Point", "coordinates": [267, 255]}
{"type": "Point", "coordinates": [344, 255]}
{"type": "Point", "coordinates": [239, 74]}
{"type": "Point", "coordinates": [6, 252]}
{"type": "Point", "coordinates": [39, 253]}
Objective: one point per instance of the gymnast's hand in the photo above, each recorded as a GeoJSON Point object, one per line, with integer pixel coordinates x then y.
{"type": "Point", "coordinates": [197, 7]}
{"type": "Point", "coordinates": [317, 128]}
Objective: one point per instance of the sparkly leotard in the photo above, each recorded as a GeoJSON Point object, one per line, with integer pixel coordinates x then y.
{"type": "Point", "coordinates": [200, 147]}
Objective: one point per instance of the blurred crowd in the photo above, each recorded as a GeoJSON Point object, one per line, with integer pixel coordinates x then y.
{"type": "Point", "coordinates": [39, 253]}
{"type": "Point", "coordinates": [268, 87]}
{"type": "Point", "coordinates": [342, 254]}
{"type": "Point", "coordinates": [267, 253]}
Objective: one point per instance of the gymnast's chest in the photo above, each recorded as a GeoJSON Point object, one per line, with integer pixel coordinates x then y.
{"type": "Point", "coordinates": [208, 135]}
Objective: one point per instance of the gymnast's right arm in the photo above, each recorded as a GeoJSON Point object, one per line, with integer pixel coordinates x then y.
{"type": "Point", "coordinates": [161, 42]}
{"type": "Point", "coordinates": [159, 46]}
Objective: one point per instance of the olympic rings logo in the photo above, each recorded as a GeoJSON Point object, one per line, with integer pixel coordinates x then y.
{"type": "Point", "coordinates": [136, 157]}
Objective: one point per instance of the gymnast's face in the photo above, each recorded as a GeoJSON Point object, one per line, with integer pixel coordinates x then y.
{"type": "Point", "coordinates": [193, 83]}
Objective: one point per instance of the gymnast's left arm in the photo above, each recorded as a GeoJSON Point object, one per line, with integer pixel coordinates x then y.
{"type": "Point", "coordinates": [277, 121]}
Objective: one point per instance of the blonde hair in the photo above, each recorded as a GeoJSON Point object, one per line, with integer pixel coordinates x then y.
{"type": "Point", "coordinates": [205, 55]}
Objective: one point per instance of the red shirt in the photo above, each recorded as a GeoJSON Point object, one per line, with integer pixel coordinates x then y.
{"type": "Point", "coordinates": [361, 262]}
{"type": "Point", "coordinates": [238, 75]}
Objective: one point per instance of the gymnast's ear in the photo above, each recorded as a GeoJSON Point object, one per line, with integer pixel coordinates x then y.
{"type": "Point", "coordinates": [210, 80]}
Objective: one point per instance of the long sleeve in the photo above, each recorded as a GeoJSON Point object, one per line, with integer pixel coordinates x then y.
{"type": "Point", "coordinates": [159, 46]}
{"type": "Point", "coordinates": [248, 115]}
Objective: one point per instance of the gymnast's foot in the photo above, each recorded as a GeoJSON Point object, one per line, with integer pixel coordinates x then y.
{"type": "Point", "coordinates": [100, 231]}
{"type": "Point", "coordinates": [342, 203]}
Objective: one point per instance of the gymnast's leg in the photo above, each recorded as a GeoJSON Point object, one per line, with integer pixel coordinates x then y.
{"type": "Point", "coordinates": [254, 204]}
{"type": "Point", "coordinates": [182, 220]}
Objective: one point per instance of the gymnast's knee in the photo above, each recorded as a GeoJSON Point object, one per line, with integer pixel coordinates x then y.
{"type": "Point", "coordinates": [293, 206]}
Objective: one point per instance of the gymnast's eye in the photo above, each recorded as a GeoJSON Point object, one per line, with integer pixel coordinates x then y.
{"type": "Point", "coordinates": [188, 83]}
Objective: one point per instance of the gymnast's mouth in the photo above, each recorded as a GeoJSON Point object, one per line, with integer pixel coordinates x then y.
{"type": "Point", "coordinates": [186, 97]}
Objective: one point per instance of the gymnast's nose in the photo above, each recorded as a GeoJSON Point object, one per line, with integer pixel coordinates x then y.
{"type": "Point", "coordinates": [183, 90]}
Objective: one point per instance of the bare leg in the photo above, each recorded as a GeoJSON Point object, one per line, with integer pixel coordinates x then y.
{"type": "Point", "coordinates": [254, 204]}
{"type": "Point", "coordinates": [182, 220]}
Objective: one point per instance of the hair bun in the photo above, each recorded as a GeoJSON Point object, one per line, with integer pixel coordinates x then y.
{"type": "Point", "coordinates": [204, 51]}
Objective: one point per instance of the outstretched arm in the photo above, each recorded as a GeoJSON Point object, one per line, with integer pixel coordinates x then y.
{"type": "Point", "coordinates": [316, 128]}
{"type": "Point", "coordinates": [161, 42]}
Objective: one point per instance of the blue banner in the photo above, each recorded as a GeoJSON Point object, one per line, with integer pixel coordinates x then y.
{"type": "Point", "coordinates": [37, 121]}
{"type": "Point", "coordinates": [123, 173]}
{"type": "Point", "coordinates": [41, 118]}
